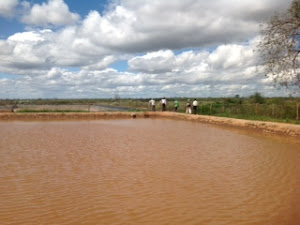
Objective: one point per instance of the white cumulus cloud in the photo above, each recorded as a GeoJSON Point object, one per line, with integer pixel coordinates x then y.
{"type": "Point", "coordinates": [7, 7]}
{"type": "Point", "coordinates": [54, 12]}
{"type": "Point", "coordinates": [173, 48]}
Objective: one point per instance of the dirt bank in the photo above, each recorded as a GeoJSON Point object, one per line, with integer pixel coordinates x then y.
{"type": "Point", "coordinates": [267, 127]}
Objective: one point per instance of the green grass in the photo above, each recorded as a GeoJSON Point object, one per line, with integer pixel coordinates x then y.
{"type": "Point", "coordinates": [280, 109]}
{"type": "Point", "coordinates": [258, 118]}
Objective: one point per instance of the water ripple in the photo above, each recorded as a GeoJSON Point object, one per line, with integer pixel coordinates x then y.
{"type": "Point", "coordinates": [145, 172]}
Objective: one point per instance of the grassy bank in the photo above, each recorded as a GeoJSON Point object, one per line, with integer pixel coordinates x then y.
{"type": "Point", "coordinates": [279, 109]}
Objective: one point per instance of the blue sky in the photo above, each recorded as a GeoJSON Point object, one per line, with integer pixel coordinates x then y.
{"type": "Point", "coordinates": [138, 49]}
{"type": "Point", "coordinates": [10, 26]}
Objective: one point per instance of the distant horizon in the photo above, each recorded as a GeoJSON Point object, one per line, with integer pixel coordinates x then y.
{"type": "Point", "coordinates": [144, 98]}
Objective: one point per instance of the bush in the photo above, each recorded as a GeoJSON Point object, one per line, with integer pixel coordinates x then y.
{"type": "Point", "coordinates": [257, 98]}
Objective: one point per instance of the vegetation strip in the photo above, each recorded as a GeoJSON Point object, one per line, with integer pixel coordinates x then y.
{"type": "Point", "coordinates": [267, 127]}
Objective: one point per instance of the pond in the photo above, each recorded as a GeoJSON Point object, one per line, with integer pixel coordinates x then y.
{"type": "Point", "coordinates": [146, 171]}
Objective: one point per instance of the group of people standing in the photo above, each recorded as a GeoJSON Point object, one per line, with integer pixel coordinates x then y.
{"type": "Point", "coordinates": [189, 107]}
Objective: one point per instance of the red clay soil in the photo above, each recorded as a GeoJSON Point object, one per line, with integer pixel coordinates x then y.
{"type": "Point", "coordinates": [268, 127]}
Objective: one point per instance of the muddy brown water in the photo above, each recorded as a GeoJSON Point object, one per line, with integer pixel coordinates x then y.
{"type": "Point", "coordinates": [146, 171]}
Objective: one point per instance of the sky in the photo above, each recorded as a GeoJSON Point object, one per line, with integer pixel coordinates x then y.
{"type": "Point", "coordinates": [133, 48]}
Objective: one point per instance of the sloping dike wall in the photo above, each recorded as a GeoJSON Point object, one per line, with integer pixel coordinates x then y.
{"type": "Point", "coordinates": [266, 127]}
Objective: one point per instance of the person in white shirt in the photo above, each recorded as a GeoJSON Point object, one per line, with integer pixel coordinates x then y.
{"type": "Point", "coordinates": [195, 104]}
{"type": "Point", "coordinates": [152, 104]}
{"type": "Point", "coordinates": [188, 107]}
{"type": "Point", "coordinates": [163, 104]}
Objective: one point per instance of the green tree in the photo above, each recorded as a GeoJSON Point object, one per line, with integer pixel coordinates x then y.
{"type": "Point", "coordinates": [280, 47]}
{"type": "Point", "coordinates": [257, 98]}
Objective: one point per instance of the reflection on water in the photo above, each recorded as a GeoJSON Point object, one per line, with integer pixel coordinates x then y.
{"type": "Point", "coordinates": [145, 171]}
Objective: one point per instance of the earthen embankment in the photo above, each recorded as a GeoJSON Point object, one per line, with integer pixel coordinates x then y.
{"type": "Point", "coordinates": [267, 127]}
